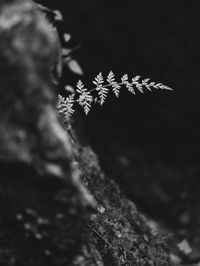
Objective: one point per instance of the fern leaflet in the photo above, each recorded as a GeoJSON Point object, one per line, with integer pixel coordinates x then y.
{"type": "Point", "coordinates": [115, 86]}
{"type": "Point", "coordinates": [65, 106]}
{"type": "Point", "coordinates": [85, 98]}
{"type": "Point", "coordinates": [102, 91]}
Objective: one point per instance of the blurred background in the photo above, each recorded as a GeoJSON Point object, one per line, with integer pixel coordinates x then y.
{"type": "Point", "coordinates": [149, 143]}
{"type": "Point", "coordinates": [157, 39]}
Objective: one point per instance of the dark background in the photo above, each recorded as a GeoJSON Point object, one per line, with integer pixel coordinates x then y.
{"type": "Point", "coordinates": [156, 39]}
{"type": "Point", "coordinates": [149, 143]}
{"type": "Point", "coordinates": [152, 137]}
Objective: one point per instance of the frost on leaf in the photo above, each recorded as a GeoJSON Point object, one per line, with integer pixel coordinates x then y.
{"type": "Point", "coordinates": [85, 98]}
{"type": "Point", "coordinates": [65, 106]}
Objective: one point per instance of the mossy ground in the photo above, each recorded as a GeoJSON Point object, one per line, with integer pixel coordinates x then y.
{"type": "Point", "coordinates": [164, 190]}
{"type": "Point", "coordinates": [122, 235]}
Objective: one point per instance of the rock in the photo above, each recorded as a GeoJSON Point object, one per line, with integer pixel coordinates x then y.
{"type": "Point", "coordinates": [43, 204]}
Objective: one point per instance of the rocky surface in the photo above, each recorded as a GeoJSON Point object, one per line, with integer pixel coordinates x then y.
{"type": "Point", "coordinates": [56, 205]}
{"type": "Point", "coordinates": [44, 206]}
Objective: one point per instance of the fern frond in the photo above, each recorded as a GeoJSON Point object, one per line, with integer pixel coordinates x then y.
{"type": "Point", "coordinates": [82, 95]}
{"type": "Point", "coordinates": [136, 83]}
{"type": "Point", "coordinates": [115, 86]}
{"type": "Point", "coordinates": [111, 77]}
{"type": "Point", "coordinates": [130, 88]}
{"type": "Point", "coordinates": [102, 90]}
{"type": "Point", "coordinates": [85, 98]}
{"type": "Point", "coordinates": [162, 87]}
{"type": "Point", "coordinates": [128, 84]}
{"type": "Point", "coordinates": [124, 79]}
{"type": "Point", "coordinates": [102, 94]}
{"type": "Point", "coordinates": [98, 80]}
{"type": "Point", "coordinates": [145, 83]}
{"type": "Point", "coordinates": [65, 106]}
